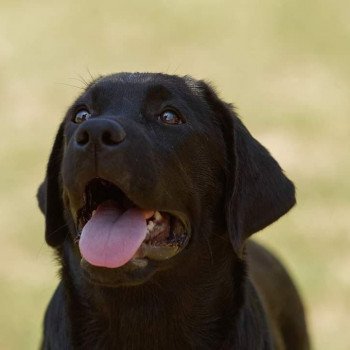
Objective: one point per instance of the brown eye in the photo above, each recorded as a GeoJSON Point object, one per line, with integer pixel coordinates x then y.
{"type": "Point", "coordinates": [81, 116]}
{"type": "Point", "coordinates": [171, 117]}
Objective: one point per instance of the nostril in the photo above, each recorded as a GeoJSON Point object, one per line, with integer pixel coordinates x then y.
{"type": "Point", "coordinates": [112, 138]}
{"type": "Point", "coordinates": [107, 139]}
{"type": "Point", "coordinates": [82, 138]}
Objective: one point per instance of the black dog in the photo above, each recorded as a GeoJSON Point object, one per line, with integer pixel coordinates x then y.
{"type": "Point", "coordinates": [152, 189]}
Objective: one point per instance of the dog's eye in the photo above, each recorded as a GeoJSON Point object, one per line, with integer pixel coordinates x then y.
{"type": "Point", "coordinates": [81, 116]}
{"type": "Point", "coordinates": [171, 117]}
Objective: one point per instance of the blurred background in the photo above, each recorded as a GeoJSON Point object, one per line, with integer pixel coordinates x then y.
{"type": "Point", "coordinates": [284, 64]}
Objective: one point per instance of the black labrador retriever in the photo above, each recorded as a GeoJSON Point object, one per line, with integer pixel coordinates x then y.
{"type": "Point", "coordinates": [152, 189]}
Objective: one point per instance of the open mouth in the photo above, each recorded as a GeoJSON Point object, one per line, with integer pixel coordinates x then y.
{"type": "Point", "coordinates": [113, 230]}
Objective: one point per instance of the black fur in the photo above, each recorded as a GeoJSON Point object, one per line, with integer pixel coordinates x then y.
{"type": "Point", "coordinates": [212, 172]}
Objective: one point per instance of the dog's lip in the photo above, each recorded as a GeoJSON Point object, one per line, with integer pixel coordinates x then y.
{"type": "Point", "coordinates": [135, 272]}
{"type": "Point", "coordinates": [134, 263]}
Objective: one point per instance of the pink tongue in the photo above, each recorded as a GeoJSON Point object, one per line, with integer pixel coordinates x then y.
{"type": "Point", "coordinates": [111, 238]}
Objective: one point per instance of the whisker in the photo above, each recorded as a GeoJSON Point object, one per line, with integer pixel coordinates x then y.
{"type": "Point", "coordinates": [78, 87]}
{"type": "Point", "coordinates": [91, 76]}
{"type": "Point", "coordinates": [57, 229]}
{"type": "Point", "coordinates": [83, 80]}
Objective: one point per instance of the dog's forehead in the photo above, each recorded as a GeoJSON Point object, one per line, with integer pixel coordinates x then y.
{"type": "Point", "coordinates": [134, 86]}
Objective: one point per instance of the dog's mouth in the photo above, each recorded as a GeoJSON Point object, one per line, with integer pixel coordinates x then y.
{"type": "Point", "coordinates": [113, 230]}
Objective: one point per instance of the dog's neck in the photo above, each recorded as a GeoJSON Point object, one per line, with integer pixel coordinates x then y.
{"type": "Point", "coordinates": [165, 313]}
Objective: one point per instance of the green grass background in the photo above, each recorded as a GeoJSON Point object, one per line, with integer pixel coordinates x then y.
{"type": "Point", "coordinates": [285, 64]}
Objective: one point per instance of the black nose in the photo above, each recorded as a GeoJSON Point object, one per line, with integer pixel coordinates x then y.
{"type": "Point", "coordinates": [99, 132]}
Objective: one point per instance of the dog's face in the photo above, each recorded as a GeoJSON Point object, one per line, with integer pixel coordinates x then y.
{"type": "Point", "coordinates": [147, 169]}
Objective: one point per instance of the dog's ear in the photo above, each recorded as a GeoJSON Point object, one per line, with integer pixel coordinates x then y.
{"type": "Point", "coordinates": [50, 196]}
{"type": "Point", "coordinates": [258, 192]}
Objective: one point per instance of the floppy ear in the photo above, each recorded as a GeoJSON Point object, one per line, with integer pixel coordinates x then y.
{"type": "Point", "coordinates": [258, 192]}
{"type": "Point", "coordinates": [261, 192]}
{"type": "Point", "coordinates": [50, 195]}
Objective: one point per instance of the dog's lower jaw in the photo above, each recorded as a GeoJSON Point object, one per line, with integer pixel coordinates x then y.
{"type": "Point", "coordinates": [153, 316]}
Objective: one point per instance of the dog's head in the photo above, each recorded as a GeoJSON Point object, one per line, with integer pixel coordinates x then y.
{"type": "Point", "coordinates": [148, 169]}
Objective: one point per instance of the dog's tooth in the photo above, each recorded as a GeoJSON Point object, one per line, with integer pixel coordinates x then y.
{"type": "Point", "coordinates": [93, 212]}
{"type": "Point", "coordinates": [150, 225]}
{"type": "Point", "coordinates": [157, 215]}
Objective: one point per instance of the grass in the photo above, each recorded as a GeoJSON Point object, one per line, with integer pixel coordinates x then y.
{"type": "Point", "coordinates": [283, 64]}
